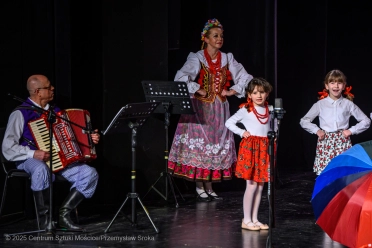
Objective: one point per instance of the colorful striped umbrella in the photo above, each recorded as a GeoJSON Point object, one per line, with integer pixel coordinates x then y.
{"type": "Point", "coordinates": [342, 197]}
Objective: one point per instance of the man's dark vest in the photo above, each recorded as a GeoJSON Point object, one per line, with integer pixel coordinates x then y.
{"type": "Point", "coordinates": [29, 114]}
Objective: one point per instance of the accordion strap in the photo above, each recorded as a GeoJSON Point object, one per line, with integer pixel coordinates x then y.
{"type": "Point", "coordinates": [29, 142]}
{"type": "Point", "coordinates": [24, 107]}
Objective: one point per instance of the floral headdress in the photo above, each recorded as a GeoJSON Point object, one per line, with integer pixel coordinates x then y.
{"type": "Point", "coordinates": [347, 93]}
{"type": "Point", "coordinates": [209, 24]}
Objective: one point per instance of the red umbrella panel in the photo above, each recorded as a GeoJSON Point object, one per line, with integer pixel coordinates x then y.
{"type": "Point", "coordinates": [347, 218]}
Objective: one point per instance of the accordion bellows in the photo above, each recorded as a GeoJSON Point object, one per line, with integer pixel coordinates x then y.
{"type": "Point", "coordinates": [71, 142]}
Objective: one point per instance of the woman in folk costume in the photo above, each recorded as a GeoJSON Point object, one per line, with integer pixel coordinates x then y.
{"type": "Point", "coordinates": [203, 149]}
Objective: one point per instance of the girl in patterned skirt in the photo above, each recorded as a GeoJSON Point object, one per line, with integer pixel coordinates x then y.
{"type": "Point", "coordinates": [334, 112]}
{"type": "Point", "coordinates": [253, 158]}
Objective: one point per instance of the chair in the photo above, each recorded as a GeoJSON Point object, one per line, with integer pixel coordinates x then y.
{"type": "Point", "coordinates": [11, 172]}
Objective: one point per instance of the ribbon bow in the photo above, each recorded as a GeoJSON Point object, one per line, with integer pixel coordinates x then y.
{"type": "Point", "coordinates": [323, 94]}
{"type": "Point", "coordinates": [249, 104]}
{"type": "Point", "coordinates": [347, 92]}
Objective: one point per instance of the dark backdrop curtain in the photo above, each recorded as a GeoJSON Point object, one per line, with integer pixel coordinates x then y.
{"type": "Point", "coordinates": [97, 53]}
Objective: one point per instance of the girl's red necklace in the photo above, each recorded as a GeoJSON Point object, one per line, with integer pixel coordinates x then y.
{"type": "Point", "coordinates": [260, 116]}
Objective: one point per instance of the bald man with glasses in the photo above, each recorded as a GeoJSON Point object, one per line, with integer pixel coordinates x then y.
{"type": "Point", "coordinates": [18, 146]}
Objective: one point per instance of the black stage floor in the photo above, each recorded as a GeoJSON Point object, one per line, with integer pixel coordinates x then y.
{"type": "Point", "coordinates": [192, 224]}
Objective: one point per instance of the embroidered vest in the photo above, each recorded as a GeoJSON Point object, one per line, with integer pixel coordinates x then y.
{"type": "Point", "coordinates": [213, 84]}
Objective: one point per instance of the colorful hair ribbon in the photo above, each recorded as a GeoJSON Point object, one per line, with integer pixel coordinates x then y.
{"type": "Point", "coordinates": [323, 94]}
{"type": "Point", "coordinates": [347, 92]}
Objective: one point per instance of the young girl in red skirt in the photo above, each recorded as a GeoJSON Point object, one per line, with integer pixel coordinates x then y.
{"type": "Point", "coordinates": [253, 158]}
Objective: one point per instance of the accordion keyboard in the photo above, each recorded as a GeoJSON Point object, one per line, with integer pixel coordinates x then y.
{"type": "Point", "coordinates": [41, 135]}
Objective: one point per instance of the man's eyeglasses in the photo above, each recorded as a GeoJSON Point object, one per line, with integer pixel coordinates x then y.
{"type": "Point", "coordinates": [46, 88]}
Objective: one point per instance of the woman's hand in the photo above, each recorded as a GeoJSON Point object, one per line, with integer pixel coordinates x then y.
{"type": "Point", "coordinates": [228, 92]}
{"type": "Point", "coordinates": [202, 92]}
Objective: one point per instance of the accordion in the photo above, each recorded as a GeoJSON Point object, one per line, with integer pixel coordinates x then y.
{"type": "Point", "coordinates": [71, 143]}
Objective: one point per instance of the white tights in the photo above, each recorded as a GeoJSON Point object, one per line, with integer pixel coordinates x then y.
{"type": "Point", "coordinates": [252, 200]}
{"type": "Point", "coordinates": [207, 186]}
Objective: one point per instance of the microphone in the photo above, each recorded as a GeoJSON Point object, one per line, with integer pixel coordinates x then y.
{"type": "Point", "coordinates": [15, 97]}
{"type": "Point", "coordinates": [51, 107]}
{"type": "Point", "coordinates": [51, 114]}
{"type": "Point", "coordinates": [29, 105]}
{"type": "Point", "coordinates": [278, 108]}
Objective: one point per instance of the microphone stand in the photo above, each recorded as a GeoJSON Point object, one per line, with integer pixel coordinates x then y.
{"type": "Point", "coordinates": [50, 227]}
{"type": "Point", "coordinates": [273, 136]}
{"type": "Point", "coordinates": [41, 111]}
{"type": "Point", "coordinates": [271, 182]}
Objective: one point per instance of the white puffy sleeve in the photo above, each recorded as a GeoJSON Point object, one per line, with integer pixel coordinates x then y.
{"type": "Point", "coordinates": [239, 75]}
{"type": "Point", "coordinates": [188, 73]}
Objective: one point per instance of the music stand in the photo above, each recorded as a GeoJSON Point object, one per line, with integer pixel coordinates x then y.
{"type": "Point", "coordinates": [133, 115]}
{"type": "Point", "coordinates": [175, 99]}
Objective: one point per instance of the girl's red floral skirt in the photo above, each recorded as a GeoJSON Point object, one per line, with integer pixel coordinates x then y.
{"type": "Point", "coordinates": [253, 159]}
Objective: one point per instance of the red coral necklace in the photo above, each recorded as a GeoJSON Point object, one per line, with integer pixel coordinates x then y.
{"type": "Point", "coordinates": [213, 66]}
{"type": "Point", "coordinates": [260, 116]}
